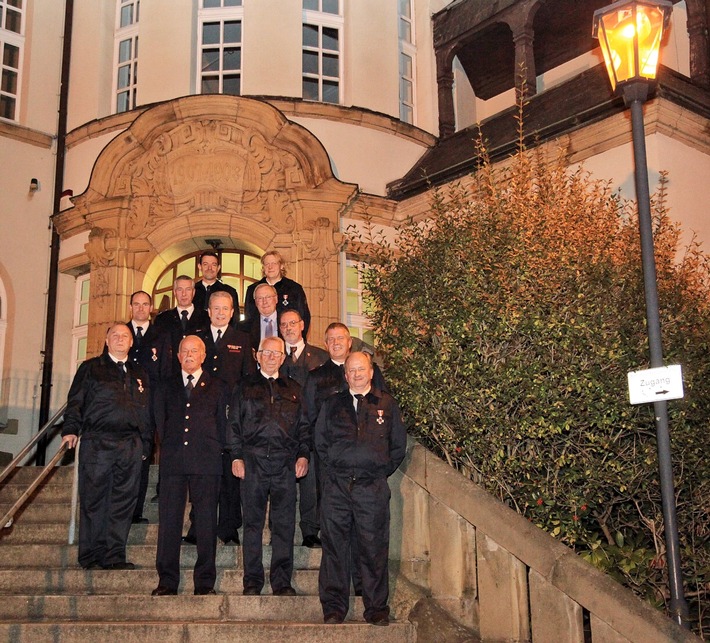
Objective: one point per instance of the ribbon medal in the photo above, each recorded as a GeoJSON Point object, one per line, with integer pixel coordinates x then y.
{"type": "Point", "coordinates": [380, 419]}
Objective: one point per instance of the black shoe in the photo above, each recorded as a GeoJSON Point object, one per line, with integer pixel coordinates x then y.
{"type": "Point", "coordinates": [285, 591]}
{"type": "Point", "coordinates": [93, 566]}
{"type": "Point", "coordinates": [379, 619]}
{"type": "Point", "coordinates": [122, 565]}
{"type": "Point", "coordinates": [333, 619]}
{"type": "Point", "coordinates": [190, 540]}
{"type": "Point", "coordinates": [204, 591]}
{"type": "Point", "coordinates": [139, 520]}
{"type": "Point", "coordinates": [251, 591]}
{"type": "Point", "coordinates": [313, 542]}
{"type": "Point", "coordinates": [161, 590]}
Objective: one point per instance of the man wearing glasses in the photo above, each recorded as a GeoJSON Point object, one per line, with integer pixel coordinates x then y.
{"type": "Point", "coordinates": [265, 324]}
{"type": "Point", "coordinates": [269, 441]}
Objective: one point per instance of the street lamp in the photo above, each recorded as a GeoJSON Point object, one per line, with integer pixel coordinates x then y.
{"type": "Point", "coordinates": [630, 33]}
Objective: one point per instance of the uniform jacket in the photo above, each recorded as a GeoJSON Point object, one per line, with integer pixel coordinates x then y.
{"type": "Point", "coordinates": [267, 421]}
{"type": "Point", "coordinates": [201, 299]}
{"type": "Point", "coordinates": [169, 323]}
{"type": "Point", "coordinates": [192, 432]}
{"type": "Point", "coordinates": [367, 445]}
{"type": "Point", "coordinates": [311, 357]}
{"type": "Point", "coordinates": [291, 296]}
{"type": "Point", "coordinates": [152, 353]}
{"type": "Point", "coordinates": [232, 359]}
{"type": "Point", "coordinates": [104, 400]}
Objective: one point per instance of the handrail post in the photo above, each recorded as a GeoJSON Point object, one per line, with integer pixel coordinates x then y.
{"type": "Point", "coordinates": [74, 494]}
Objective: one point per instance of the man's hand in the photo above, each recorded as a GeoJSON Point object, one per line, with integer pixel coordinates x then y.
{"type": "Point", "coordinates": [70, 440]}
{"type": "Point", "coordinates": [238, 469]}
{"type": "Point", "coordinates": [301, 467]}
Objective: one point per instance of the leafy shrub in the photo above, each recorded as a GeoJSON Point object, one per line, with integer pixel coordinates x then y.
{"type": "Point", "coordinates": [508, 320]}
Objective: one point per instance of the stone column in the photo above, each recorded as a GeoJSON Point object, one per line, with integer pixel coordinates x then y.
{"type": "Point", "coordinates": [699, 43]}
{"type": "Point", "coordinates": [445, 84]}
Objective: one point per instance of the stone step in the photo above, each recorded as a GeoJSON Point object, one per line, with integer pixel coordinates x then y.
{"type": "Point", "coordinates": [25, 475]}
{"type": "Point", "coordinates": [72, 580]}
{"type": "Point", "coordinates": [140, 607]}
{"type": "Point", "coordinates": [46, 512]}
{"type": "Point", "coordinates": [22, 556]}
{"type": "Point", "coordinates": [214, 632]}
{"type": "Point", "coordinates": [46, 492]}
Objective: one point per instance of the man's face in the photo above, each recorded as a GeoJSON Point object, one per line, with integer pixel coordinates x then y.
{"type": "Point", "coordinates": [265, 299]}
{"type": "Point", "coordinates": [220, 310]}
{"type": "Point", "coordinates": [141, 308]}
{"type": "Point", "coordinates": [358, 373]}
{"type": "Point", "coordinates": [270, 357]}
{"type": "Point", "coordinates": [210, 269]}
{"type": "Point", "coordinates": [191, 353]}
{"type": "Point", "coordinates": [184, 292]}
{"type": "Point", "coordinates": [291, 328]}
{"type": "Point", "coordinates": [338, 343]}
{"type": "Point", "coordinates": [119, 341]}
{"type": "Point", "coordinates": [272, 268]}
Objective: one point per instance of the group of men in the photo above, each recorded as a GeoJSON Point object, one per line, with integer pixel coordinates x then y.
{"type": "Point", "coordinates": [247, 415]}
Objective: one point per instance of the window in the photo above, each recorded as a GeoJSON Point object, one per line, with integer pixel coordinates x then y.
{"type": "Point", "coordinates": [407, 53]}
{"type": "Point", "coordinates": [355, 306]}
{"type": "Point", "coordinates": [239, 270]}
{"type": "Point", "coordinates": [322, 44]}
{"type": "Point", "coordinates": [11, 48]}
{"type": "Point", "coordinates": [81, 322]}
{"type": "Point", "coordinates": [126, 54]}
{"type": "Point", "coordinates": [220, 66]}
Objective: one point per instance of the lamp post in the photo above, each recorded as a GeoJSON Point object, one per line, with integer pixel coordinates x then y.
{"type": "Point", "coordinates": [630, 33]}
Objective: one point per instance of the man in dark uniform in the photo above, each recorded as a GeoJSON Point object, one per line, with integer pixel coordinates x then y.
{"type": "Point", "coordinates": [108, 406]}
{"type": "Point", "coordinates": [301, 358]}
{"type": "Point", "coordinates": [265, 323]}
{"type": "Point", "coordinates": [270, 445]}
{"type": "Point", "coordinates": [150, 350]}
{"type": "Point", "coordinates": [229, 358]}
{"type": "Point", "coordinates": [360, 441]}
{"type": "Point", "coordinates": [290, 293]}
{"type": "Point", "coordinates": [183, 320]}
{"type": "Point", "coordinates": [191, 418]}
{"type": "Point", "coordinates": [209, 266]}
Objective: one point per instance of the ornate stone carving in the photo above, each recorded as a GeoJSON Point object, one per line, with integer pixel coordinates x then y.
{"type": "Point", "coordinates": [324, 243]}
{"type": "Point", "coordinates": [98, 248]}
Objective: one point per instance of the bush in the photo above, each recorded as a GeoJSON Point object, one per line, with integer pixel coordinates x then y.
{"type": "Point", "coordinates": [508, 321]}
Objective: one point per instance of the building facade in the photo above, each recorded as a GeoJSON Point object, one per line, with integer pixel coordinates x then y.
{"type": "Point", "coordinates": [248, 125]}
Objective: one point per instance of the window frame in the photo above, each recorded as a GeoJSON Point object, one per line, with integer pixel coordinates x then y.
{"type": "Point", "coordinates": [321, 20]}
{"type": "Point", "coordinates": [220, 14]}
{"type": "Point", "coordinates": [358, 323]}
{"type": "Point", "coordinates": [407, 48]}
{"type": "Point", "coordinates": [79, 331]}
{"type": "Point", "coordinates": [13, 39]}
{"type": "Point", "coordinates": [129, 33]}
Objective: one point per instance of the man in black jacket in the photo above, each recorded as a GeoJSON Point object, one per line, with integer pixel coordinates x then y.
{"type": "Point", "coordinates": [360, 441]}
{"type": "Point", "coordinates": [191, 417]}
{"type": "Point", "coordinates": [270, 445]}
{"type": "Point", "coordinates": [209, 266]}
{"type": "Point", "coordinates": [108, 406]}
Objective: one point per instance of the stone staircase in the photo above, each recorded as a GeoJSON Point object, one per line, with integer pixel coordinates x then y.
{"type": "Point", "coordinates": [46, 596]}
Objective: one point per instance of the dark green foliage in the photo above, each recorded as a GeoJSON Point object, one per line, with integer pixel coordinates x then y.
{"type": "Point", "coordinates": [508, 320]}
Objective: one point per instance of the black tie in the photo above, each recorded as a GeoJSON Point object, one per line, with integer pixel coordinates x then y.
{"type": "Point", "coordinates": [183, 321]}
{"type": "Point", "coordinates": [293, 349]}
{"type": "Point", "coordinates": [139, 335]}
{"type": "Point", "coordinates": [219, 336]}
{"type": "Point", "coordinates": [358, 397]}
{"type": "Point", "coordinates": [121, 365]}
{"type": "Point", "coordinates": [189, 386]}
{"type": "Point", "coordinates": [271, 388]}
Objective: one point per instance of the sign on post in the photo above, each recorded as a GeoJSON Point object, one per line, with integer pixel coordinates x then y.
{"type": "Point", "coordinates": [656, 384]}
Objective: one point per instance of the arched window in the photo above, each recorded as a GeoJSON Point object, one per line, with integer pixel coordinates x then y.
{"type": "Point", "coordinates": [239, 270]}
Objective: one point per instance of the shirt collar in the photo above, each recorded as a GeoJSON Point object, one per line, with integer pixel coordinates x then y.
{"type": "Point", "coordinates": [196, 377]}
{"type": "Point", "coordinates": [190, 309]}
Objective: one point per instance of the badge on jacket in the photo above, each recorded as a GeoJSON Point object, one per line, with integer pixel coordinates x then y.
{"type": "Point", "coordinates": [380, 419]}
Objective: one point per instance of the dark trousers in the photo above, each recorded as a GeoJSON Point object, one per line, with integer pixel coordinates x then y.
{"type": "Point", "coordinates": [142, 487]}
{"type": "Point", "coordinates": [308, 501]}
{"type": "Point", "coordinates": [230, 506]}
{"type": "Point", "coordinates": [261, 484]}
{"type": "Point", "coordinates": [204, 493]}
{"type": "Point", "coordinates": [361, 507]}
{"type": "Point", "coordinates": [109, 475]}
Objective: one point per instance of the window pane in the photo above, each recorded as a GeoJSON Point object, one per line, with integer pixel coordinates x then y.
{"type": "Point", "coordinates": [231, 85]}
{"type": "Point", "coordinates": [330, 92]}
{"type": "Point", "coordinates": [83, 314]}
{"type": "Point", "coordinates": [406, 91]}
{"type": "Point", "coordinates": [126, 15]}
{"type": "Point", "coordinates": [405, 8]}
{"type": "Point", "coordinates": [405, 30]}
{"type": "Point", "coordinates": [124, 51]}
{"type": "Point", "coordinates": [352, 303]}
{"type": "Point", "coordinates": [351, 277]}
{"type": "Point", "coordinates": [122, 102]}
{"type": "Point", "coordinates": [331, 6]}
{"type": "Point", "coordinates": [14, 3]}
{"type": "Point", "coordinates": [310, 62]}
{"type": "Point", "coordinates": [210, 60]}
{"type": "Point", "coordinates": [310, 89]}
{"type": "Point", "coordinates": [210, 86]}
{"type": "Point", "coordinates": [124, 76]}
{"type": "Point", "coordinates": [330, 38]}
{"type": "Point", "coordinates": [166, 281]}
{"type": "Point", "coordinates": [81, 349]}
{"type": "Point", "coordinates": [232, 58]}
{"type": "Point", "coordinates": [233, 31]}
{"type": "Point", "coordinates": [230, 263]}
{"type": "Point", "coordinates": [13, 21]}
{"type": "Point", "coordinates": [232, 3]}
{"type": "Point", "coordinates": [85, 286]}
{"type": "Point", "coordinates": [406, 114]}
{"type": "Point", "coordinates": [11, 56]}
{"type": "Point", "coordinates": [310, 36]}
{"type": "Point", "coordinates": [210, 4]}
{"type": "Point", "coordinates": [310, 5]}
{"type": "Point", "coordinates": [7, 107]}
{"type": "Point", "coordinates": [405, 65]}
{"type": "Point", "coordinates": [330, 66]}
{"type": "Point", "coordinates": [210, 33]}
{"type": "Point", "coordinates": [234, 283]}
{"type": "Point", "coordinates": [187, 267]}
{"type": "Point", "coordinates": [252, 267]}
{"type": "Point", "coordinates": [9, 81]}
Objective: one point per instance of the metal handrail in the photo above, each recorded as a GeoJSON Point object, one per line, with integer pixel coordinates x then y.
{"type": "Point", "coordinates": [8, 518]}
